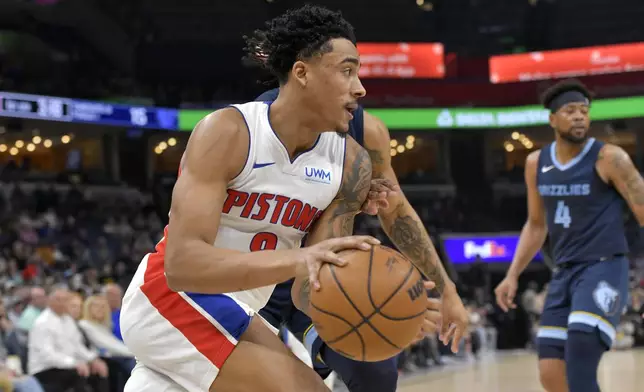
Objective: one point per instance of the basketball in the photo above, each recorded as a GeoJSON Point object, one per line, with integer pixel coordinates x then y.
{"type": "Point", "coordinates": [372, 308]}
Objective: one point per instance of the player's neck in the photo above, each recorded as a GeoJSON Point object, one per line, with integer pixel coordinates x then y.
{"type": "Point", "coordinates": [292, 124]}
{"type": "Point", "coordinates": [567, 151]}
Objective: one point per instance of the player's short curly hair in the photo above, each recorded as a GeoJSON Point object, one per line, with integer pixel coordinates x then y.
{"type": "Point", "coordinates": [561, 87]}
{"type": "Point", "coordinates": [296, 35]}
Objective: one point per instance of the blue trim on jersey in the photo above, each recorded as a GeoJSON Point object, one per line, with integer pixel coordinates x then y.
{"type": "Point", "coordinates": [224, 310]}
{"type": "Point", "coordinates": [292, 160]}
{"type": "Point", "coordinates": [572, 162]}
{"type": "Point", "coordinates": [249, 142]}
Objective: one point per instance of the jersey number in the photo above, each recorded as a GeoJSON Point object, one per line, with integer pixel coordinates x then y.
{"type": "Point", "coordinates": [263, 241]}
{"type": "Point", "coordinates": [562, 215]}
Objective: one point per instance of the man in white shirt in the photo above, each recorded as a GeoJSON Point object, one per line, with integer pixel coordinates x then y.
{"type": "Point", "coordinates": [57, 356]}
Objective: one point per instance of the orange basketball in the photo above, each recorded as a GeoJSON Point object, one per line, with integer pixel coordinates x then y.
{"type": "Point", "coordinates": [372, 308]}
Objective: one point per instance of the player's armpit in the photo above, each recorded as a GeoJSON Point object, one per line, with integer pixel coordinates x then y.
{"type": "Point", "coordinates": [399, 220]}
{"type": "Point", "coordinates": [616, 166]}
{"type": "Point", "coordinates": [337, 220]}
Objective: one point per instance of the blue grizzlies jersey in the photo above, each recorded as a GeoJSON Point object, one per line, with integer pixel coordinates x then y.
{"type": "Point", "coordinates": [356, 125]}
{"type": "Point", "coordinates": [584, 214]}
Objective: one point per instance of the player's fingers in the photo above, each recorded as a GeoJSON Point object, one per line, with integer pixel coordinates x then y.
{"type": "Point", "coordinates": [448, 335]}
{"type": "Point", "coordinates": [332, 258]}
{"type": "Point", "coordinates": [500, 293]}
{"type": "Point", "coordinates": [428, 327]}
{"type": "Point", "coordinates": [429, 284]}
{"type": "Point", "coordinates": [369, 207]}
{"type": "Point", "coordinates": [456, 341]}
{"type": "Point", "coordinates": [314, 272]}
{"type": "Point", "coordinates": [434, 305]}
{"type": "Point", "coordinates": [383, 204]}
{"type": "Point", "coordinates": [433, 319]}
{"type": "Point", "coordinates": [376, 195]}
{"type": "Point", "coordinates": [363, 242]}
{"type": "Point", "coordinates": [383, 185]}
{"type": "Point", "coordinates": [443, 331]}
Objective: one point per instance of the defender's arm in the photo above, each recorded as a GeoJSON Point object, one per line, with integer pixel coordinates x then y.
{"type": "Point", "coordinates": [400, 221]}
{"type": "Point", "coordinates": [618, 169]}
{"type": "Point", "coordinates": [337, 220]}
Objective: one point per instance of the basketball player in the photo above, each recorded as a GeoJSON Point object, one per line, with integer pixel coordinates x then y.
{"type": "Point", "coordinates": [254, 177]}
{"type": "Point", "coordinates": [576, 187]}
{"type": "Point", "coordinates": [407, 232]}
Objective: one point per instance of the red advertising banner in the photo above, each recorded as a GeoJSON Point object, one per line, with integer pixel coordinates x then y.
{"type": "Point", "coordinates": [401, 60]}
{"type": "Point", "coordinates": [567, 63]}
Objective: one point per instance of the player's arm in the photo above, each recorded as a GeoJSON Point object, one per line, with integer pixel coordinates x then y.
{"type": "Point", "coordinates": [535, 229]}
{"type": "Point", "coordinates": [399, 220]}
{"type": "Point", "coordinates": [616, 166]}
{"type": "Point", "coordinates": [216, 153]}
{"type": "Point", "coordinates": [337, 220]}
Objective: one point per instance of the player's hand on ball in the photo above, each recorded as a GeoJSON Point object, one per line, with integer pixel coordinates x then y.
{"type": "Point", "coordinates": [381, 189]}
{"type": "Point", "coordinates": [433, 317]}
{"type": "Point", "coordinates": [505, 293]}
{"type": "Point", "coordinates": [456, 319]}
{"type": "Point", "coordinates": [313, 257]}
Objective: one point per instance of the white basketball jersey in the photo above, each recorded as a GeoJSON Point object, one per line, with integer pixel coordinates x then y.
{"type": "Point", "coordinates": [273, 202]}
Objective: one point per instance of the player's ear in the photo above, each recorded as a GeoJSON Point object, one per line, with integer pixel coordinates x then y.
{"type": "Point", "coordinates": [299, 71]}
{"type": "Point", "coordinates": [553, 120]}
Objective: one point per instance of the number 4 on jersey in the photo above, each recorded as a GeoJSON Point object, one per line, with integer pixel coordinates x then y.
{"type": "Point", "coordinates": [562, 215]}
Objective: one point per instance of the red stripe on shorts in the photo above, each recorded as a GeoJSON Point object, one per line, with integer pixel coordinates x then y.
{"type": "Point", "coordinates": [203, 334]}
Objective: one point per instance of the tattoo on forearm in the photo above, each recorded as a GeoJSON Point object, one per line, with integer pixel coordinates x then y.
{"type": "Point", "coordinates": [376, 156]}
{"type": "Point", "coordinates": [412, 240]}
{"type": "Point", "coordinates": [353, 193]}
{"type": "Point", "coordinates": [339, 217]}
{"type": "Point", "coordinates": [628, 174]}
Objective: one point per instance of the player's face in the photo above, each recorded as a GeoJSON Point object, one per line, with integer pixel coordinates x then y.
{"type": "Point", "coordinates": [571, 122]}
{"type": "Point", "coordinates": [333, 87]}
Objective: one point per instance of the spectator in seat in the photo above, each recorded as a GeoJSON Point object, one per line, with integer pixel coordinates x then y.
{"type": "Point", "coordinates": [57, 356]}
{"type": "Point", "coordinates": [97, 326]}
{"type": "Point", "coordinates": [11, 376]}
{"type": "Point", "coordinates": [114, 295]}
{"type": "Point", "coordinates": [37, 303]}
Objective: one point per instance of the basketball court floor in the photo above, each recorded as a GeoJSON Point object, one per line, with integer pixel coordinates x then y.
{"type": "Point", "coordinates": [621, 371]}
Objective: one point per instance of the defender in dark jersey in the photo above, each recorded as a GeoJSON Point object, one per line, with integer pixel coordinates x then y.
{"type": "Point", "coordinates": [407, 232]}
{"type": "Point", "coordinates": [576, 190]}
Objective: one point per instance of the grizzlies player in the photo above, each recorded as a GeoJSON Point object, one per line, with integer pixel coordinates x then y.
{"type": "Point", "coordinates": [405, 229]}
{"type": "Point", "coordinates": [576, 188]}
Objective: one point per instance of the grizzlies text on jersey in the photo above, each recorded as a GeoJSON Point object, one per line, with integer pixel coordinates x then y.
{"type": "Point", "coordinates": [584, 214]}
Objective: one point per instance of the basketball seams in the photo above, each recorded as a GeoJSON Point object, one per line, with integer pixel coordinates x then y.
{"type": "Point", "coordinates": [393, 294]}
{"type": "Point", "coordinates": [353, 329]}
{"type": "Point", "coordinates": [365, 319]}
{"type": "Point", "coordinates": [354, 295]}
